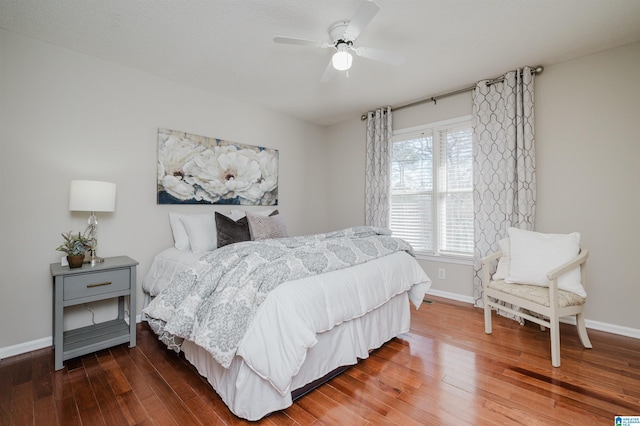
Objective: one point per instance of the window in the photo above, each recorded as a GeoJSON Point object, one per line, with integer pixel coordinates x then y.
{"type": "Point", "coordinates": [432, 188]}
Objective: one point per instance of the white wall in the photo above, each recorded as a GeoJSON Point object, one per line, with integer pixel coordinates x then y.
{"type": "Point", "coordinates": [588, 174]}
{"type": "Point", "coordinates": [65, 116]}
{"type": "Point", "coordinates": [588, 149]}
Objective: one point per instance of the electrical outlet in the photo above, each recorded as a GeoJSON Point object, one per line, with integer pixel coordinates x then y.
{"type": "Point", "coordinates": [441, 273]}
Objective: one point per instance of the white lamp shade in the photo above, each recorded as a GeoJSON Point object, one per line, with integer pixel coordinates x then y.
{"type": "Point", "coordinates": [92, 196]}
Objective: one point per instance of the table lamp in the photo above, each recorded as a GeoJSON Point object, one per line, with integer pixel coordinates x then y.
{"type": "Point", "coordinates": [92, 196]}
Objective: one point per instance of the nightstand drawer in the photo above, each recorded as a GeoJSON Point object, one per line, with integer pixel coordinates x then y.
{"type": "Point", "coordinates": [85, 285]}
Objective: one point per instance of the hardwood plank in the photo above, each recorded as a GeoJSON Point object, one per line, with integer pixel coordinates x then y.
{"type": "Point", "coordinates": [301, 416]}
{"type": "Point", "coordinates": [115, 376]}
{"type": "Point", "coordinates": [171, 401]}
{"type": "Point", "coordinates": [131, 407]}
{"type": "Point", "coordinates": [41, 373]}
{"type": "Point", "coordinates": [6, 390]}
{"type": "Point", "coordinates": [67, 411]}
{"type": "Point", "coordinates": [85, 398]}
{"type": "Point", "coordinates": [369, 413]}
{"type": "Point", "coordinates": [330, 411]}
{"type": "Point", "coordinates": [105, 397]}
{"type": "Point", "coordinates": [22, 404]}
{"type": "Point", "coordinates": [157, 412]}
{"type": "Point", "coordinates": [129, 367]}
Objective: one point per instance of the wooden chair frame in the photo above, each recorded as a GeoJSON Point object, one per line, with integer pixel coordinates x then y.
{"type": "Point", "coordinates": [553, 312]}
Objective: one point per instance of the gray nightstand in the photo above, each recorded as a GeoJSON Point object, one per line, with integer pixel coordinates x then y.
{"type": "Point", "coordinates": [115, 277]}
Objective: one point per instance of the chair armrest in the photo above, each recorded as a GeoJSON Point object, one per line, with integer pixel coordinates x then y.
{"type": "Point", "coordinates": [490, 258]}
{"type": "Point", "coordinates": [580, 259]}
{"type": "Point", "coordinates": [486, 261]}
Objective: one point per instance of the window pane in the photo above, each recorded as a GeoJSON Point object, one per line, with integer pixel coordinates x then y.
{"type": "Point", "coordinates": [457, 223]}
{"type": "Point", "coordinates": [412, 165]}
{"type": "Point", "coordinates": [455, 208]}
{"type": "Point", "coordinates": [411, 220]}
{"type": "Point", "coordinates": [411, 191]}
{"type": "Point", "coordinates": [458, 160]}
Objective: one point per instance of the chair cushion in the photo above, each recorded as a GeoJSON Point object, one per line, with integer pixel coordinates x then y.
{"type": "Point", "coordinates": [537, 294]}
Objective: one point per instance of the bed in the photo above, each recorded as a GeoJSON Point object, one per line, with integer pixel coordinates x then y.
{"type": "Point", "coordinates": [300, 331]}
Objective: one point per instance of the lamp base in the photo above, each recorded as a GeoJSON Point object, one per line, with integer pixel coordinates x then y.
{"type": "Point", "coordinates": [92, 259]}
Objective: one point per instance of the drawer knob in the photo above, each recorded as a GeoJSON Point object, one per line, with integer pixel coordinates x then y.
{"type": "Point", "coordinates": [99, 284]}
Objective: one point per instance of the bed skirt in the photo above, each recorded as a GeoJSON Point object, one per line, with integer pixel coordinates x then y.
{"type": "Point", "coordinates": [251, 397]}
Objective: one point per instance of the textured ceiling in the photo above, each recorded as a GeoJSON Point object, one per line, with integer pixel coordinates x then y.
{"type": "Point", "coordinates": [226, 46]}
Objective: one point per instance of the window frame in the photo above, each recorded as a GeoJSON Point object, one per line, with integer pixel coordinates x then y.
{"type": "Point", "coordinates": [434, 129]}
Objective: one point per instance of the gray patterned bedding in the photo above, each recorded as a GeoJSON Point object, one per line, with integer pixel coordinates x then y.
{"type": "Point", "coordinates": [213, 302]}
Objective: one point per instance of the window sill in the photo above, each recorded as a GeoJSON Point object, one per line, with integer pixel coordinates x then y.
{"type": "Point", "coordinates": [459, 260]}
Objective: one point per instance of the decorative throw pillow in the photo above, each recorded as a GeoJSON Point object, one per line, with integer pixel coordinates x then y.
{"type": "Point", "coordinates": [201, 229]}
{"type": "Point", "coordinates": [180, 236]}
{"type": "Point", "coordinates": [534, 254]}
{"type": "Point", "coordinates": [231, 231]}
{"type": "Point", "coordinates": [502, 271]}
{"type": "Point", "coordinates": [263, 227]}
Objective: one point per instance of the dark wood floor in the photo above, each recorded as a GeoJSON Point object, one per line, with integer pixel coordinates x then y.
{"type": "Point", "coordinates": [445, 371]}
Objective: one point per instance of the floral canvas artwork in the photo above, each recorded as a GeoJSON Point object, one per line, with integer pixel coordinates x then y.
{"type": "Point", "coordinates": [196, 169]}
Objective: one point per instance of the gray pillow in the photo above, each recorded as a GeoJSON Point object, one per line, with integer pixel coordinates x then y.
{"type": "Point", "coordinates": [262, 227]}
{"type": "Point", "coordinates": [231, 231]}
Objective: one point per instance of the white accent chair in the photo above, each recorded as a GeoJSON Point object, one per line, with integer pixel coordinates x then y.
{"type": "Point", "coordinates": [550, 302]}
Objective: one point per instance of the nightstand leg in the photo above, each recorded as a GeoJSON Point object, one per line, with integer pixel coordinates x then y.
{"type": "Point", "coordinates": [132, 308]}
{"type": "Point", "coordinates": [58, 334]}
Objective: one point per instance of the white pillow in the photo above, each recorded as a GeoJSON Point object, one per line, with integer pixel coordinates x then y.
{"type": "Point", "coordinates": [534, 254]}
{"type": "Point", "coordinates": [201, 229]}
{"type": "Point", "coordinates": [502, 271]}
{"type": "Point", "coordinates": [180, 236]}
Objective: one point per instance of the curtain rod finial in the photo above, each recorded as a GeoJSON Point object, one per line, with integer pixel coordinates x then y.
{"type": "Point", "coordinates": [363, 117]}
{"type": "Point", "coordinates": [539, 69]}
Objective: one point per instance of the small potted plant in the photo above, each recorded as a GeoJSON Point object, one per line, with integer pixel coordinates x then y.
{"type": "Point", "coordinates": [75, 246]}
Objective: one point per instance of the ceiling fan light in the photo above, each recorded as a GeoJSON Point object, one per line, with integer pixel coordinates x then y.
{"type": "Point", "coordinates": [342, 60]}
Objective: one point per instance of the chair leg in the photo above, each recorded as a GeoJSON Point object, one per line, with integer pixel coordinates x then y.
{"type": "Point", "coordinates": [487, 316]}
{"type": "Point", "coordinates": [582, 331]}
{"type": "Point", "coordinates": [555, 342]}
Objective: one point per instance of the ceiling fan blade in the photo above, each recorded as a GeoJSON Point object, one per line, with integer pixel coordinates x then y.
{"type": "Point", "coordinates": [366, 11]}
{"type": "Point", "coordinates": [379, 55]}
{"type": "Point", "coordinates": [301, 42]}
{"type": "Point", "coordinates": [328, 73]}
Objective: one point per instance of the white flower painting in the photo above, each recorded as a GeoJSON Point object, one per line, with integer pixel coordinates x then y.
{"type": "Point", "coordinates": [196, 169]}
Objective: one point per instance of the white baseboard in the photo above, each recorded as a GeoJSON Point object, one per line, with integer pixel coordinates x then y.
{"type": "Point", "coordinates": [25, 347]}
{"type": "Point", "coordinates": [452, 296]}
{"type": "Point", "coordinates": [595, 325]}
{"type": "Point", "coordinates": [606, 327]}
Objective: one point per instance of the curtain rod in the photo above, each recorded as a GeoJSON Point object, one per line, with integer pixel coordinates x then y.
{"type": "Point", "coordinates": [434, 99]}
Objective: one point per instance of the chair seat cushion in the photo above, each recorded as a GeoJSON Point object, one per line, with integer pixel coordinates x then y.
{"type": "Point", "coordinates": [537, 294]}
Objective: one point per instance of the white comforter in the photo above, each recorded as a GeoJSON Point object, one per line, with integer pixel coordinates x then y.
{"type": "Point", "coordinates": [286, 323]}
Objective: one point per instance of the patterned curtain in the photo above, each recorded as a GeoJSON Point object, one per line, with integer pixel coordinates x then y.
{"type": "Point", "coordinates": [504, 163]}
{"type": "Point", "coordinates": [377, 173]}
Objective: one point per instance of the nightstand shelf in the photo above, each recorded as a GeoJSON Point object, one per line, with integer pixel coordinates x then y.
{"type": "Point", "coordinates": [114, 278]}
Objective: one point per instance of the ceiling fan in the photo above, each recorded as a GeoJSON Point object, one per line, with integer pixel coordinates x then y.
{"type": "Point", "coordinates": [343, 34]}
